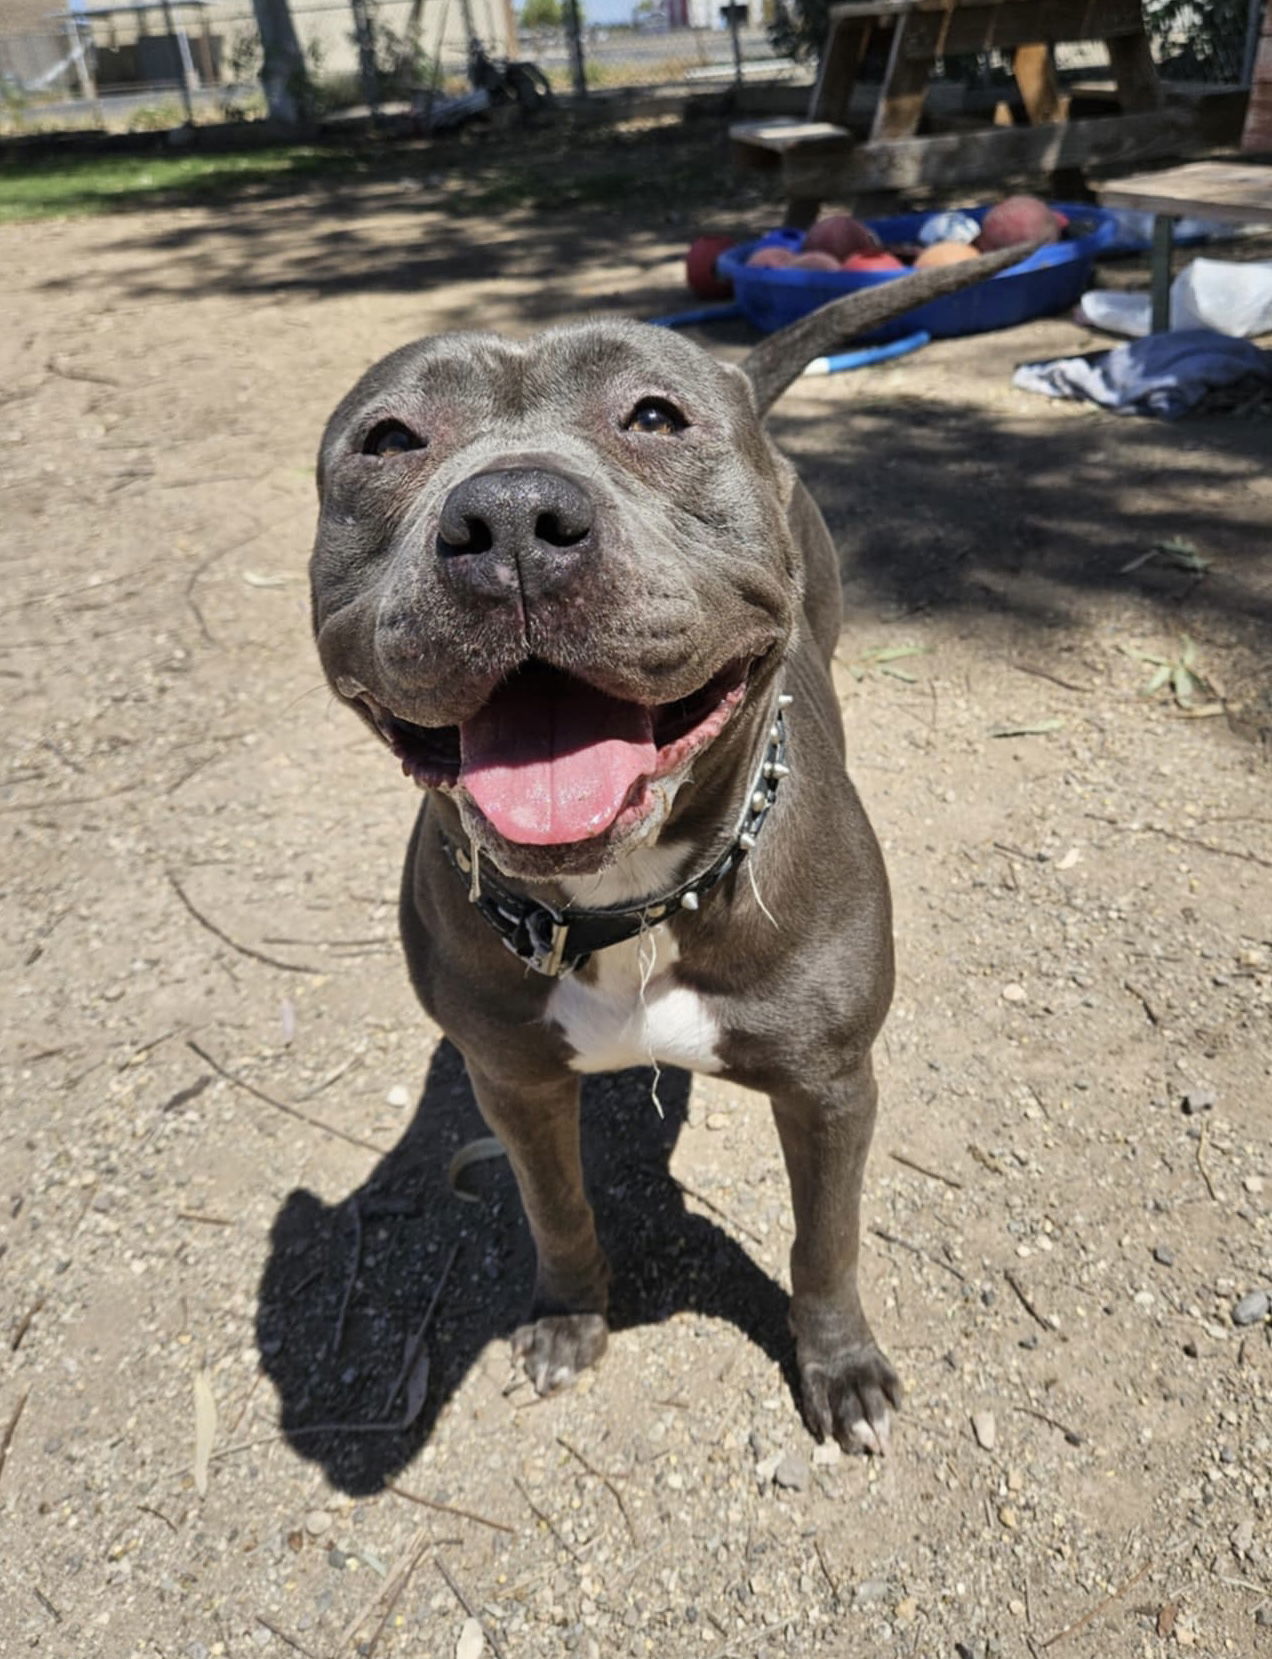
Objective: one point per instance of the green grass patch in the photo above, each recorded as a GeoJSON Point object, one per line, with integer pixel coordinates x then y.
{"type": "Point", "coordinates": [65, 188]}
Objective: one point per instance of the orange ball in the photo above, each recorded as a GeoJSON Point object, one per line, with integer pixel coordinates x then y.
{"type": "Point", "coordinates": [945, 253]}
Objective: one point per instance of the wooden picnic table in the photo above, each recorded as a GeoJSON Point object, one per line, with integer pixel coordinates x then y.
{"type": "Point", "coordinates": [819, 157]}
{"type": "Point", "coordinates": [1233, 192]}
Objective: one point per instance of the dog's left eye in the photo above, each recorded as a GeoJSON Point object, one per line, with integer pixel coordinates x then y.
{"type": "Point", "coordinates": [655, 417]}
{"type": "Point", "coordinates": [391, 438]}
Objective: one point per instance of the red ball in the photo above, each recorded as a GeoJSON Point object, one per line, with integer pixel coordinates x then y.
{"type": "Point", "coordinates": [873, 262]}
{"type": "Point", "coordinates": [772, 257]}
{"type": "Point", "coordinates": [700, 267]}
{"type": "Point", "coordinates": [815, 262]}
{"type": "Point", "coordinates": [841, 235]}
{"type": "Point", "coordinates": [1018, 219]}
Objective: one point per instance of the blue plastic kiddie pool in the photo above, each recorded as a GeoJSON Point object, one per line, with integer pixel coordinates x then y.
{"type": "Point", "coordinates": [1051, 279]}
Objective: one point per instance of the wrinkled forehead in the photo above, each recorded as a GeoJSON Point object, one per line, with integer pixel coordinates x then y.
{"type": "Point", "coordinates": [553, 376]}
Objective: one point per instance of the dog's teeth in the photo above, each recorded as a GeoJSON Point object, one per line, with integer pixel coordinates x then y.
{"type": "Point", "coordinates": [785, 700]}
{"type": "Point", "coordinates": [746, 840]}
{"type": "Point", "coordinates": [759, 801]}
{"type": "Point", "coordinates": [776, 770]}
{"type": "Point", "coordinates": [689, 901]}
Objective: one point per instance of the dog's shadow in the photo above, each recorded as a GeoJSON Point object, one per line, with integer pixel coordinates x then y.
{"type": "Point", "coordinates": [336, 1341]}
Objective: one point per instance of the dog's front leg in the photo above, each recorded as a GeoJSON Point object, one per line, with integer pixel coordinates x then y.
{"type": "Point", "coordinates": [848, 1384]}
{"type": "Point", "coordinates": [539, 1128]}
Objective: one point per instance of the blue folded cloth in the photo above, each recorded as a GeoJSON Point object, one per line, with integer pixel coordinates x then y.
{"type": "Point", "coordinates": [1166, 375]}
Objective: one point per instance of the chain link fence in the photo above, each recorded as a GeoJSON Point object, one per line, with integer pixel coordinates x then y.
{"type": "Point", "coordinates": [161, 61]}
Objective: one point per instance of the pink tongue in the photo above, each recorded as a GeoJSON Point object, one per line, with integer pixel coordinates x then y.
{"type": "Point", "coordinates": [549, 760]}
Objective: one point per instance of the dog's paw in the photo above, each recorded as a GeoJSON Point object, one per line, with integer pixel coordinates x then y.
{"type": "Point", "coordinates": [850, 1398]}
{"type": "Point", "coordinates": [556, 1348]}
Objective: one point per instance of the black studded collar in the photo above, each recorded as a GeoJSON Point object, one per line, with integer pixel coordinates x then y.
{"type": "Point", "coordinates": [557, 942]}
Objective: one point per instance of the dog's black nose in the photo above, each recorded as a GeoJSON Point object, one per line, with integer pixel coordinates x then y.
{"type": "Point", "coordinates": [523, 529]}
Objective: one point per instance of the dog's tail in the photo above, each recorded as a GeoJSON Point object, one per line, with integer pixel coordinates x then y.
{"type": "Point", "coordinates": [782, 357]}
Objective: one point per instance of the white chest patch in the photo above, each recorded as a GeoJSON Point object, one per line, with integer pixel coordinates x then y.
{"type": "Point", "coordinates": [635, 1012]}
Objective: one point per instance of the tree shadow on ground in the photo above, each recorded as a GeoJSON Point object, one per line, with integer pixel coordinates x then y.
{"type": "Point", "coordinates": [334, 1366]}
{"type": "Point", "coordinates": [942, 506]}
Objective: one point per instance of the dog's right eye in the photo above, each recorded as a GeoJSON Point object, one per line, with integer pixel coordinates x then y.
{"type": "Point", "coordinates": [391, 438]}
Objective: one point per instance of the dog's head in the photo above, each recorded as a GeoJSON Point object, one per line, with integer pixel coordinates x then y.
{"type": "Point", "coordinates": [551, 573]}
{"type": "Point", "coordinates": [548, 572]}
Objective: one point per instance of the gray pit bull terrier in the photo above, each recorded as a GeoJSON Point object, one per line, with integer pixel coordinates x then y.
{"type": "Point", "coordinates": [579, 593]}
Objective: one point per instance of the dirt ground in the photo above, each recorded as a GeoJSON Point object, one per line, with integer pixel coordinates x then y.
{"type": "Point", "coordinates": [226, 1126]}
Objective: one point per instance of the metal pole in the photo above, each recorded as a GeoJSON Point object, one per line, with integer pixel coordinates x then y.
{"type": "Point", "coordinates": [574, 29]}
{"type": "Point", "coordinates": [737, 43]}
{"type": "Point", "coordinates": [183, 58]}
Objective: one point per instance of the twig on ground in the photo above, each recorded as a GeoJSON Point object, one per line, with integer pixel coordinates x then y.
{"type": "Point", "coordinates": [1202, 1142]}
{"type": "Point", "coordinates": [1040, 673]}
{"type": "Point", "coordinates": [277, 1630]}
{"type": "Point", "coordinates": [1100, 1607]}
{"type": "Point", "coordinates": [147, 1509]}
{"type": "Point", "coordinates": [24, 1325]}
{"type": "Point", "coordinates": [391, 1593]}
{"type": "Point", "coordinates": [282, 1105]}
{"type": "Point", "coordinates": [542, 1515]}
{"type": "Point", "coordinates": [715, 1209]}
{"type": "Point", "coordinates": [224, 937]}
{"type": "Point", "coordinates": [207, 1220]}
{"type": "Point", "coordinates": [1183, 840]}
{"type": "Point", "coordinates": [606, 1480]}
{"type": "Point", "coordinates": [6, 1440]}
{"type": "Point", "coordinates": [466, 1604]}
{"type": "Point", "coordinates": [923, 1255]}
{"type": "Point", "coordinates": [826, 1572]}
{"type": "Point", "coordinates": [1071, 1435]}
{"type": "Point", "coordinates": [1025, 1303]}
{"type": "Point", "coordinates": [417, 1341]}
{"type": "Point", "coordinates": [354, 1265]}
{"type": "Point", "coordinates": [1144, 1002]}
{"type": "Point", "coordinates": [47, 1605]}
{"type": "Point", "coordinates": [451, 1509]}
{"type": "Point", "coordinates": [921, 1169]}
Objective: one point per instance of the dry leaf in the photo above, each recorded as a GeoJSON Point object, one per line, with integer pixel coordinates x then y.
{"type": "Point", "coordinates": [204, 1429]}
{"type": "Point", "coordinates": [416, 1387]}
{"type": "Point", "coordinates": [1036, 729]}
{"type": "Point", "coordinates": [472, 1642]}
{"type": "Point", "coordinates": [476, 1152]}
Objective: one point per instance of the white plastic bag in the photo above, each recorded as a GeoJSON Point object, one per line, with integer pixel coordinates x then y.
{"type": "Point", "coordinates": [1208, 293]}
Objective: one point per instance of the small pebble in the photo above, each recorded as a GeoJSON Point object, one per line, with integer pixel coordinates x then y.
{"type": "Point", "coordinates": [985, 1428]}
{"type": "Point", "coordinates": [717, 1120]}
{"type": "Point", "coordinates": [1008, 1516]}
{"type": "Point", "coordinates": [317, 1522]}
{"type": "Point", "coordinates": [872, 1589]}
{"type": "Point", "coordinates": [792, 1473]}
{"type": "Point", "coordinates": [399, 1095]}
{"type": "Point", "coordinates": [1164, 1254]}
{"type": "Point", "coordinates": [1014, 993]}
{"type": "Point", "coordinates": [1252, 1308]}
{"type": "Point", "coordinates": [1253, 1183]}
{"type": "Point", "coordinates": [1198, 1100]}
{"type": "Point", "coordinates": [1242, 1539]}
{"type": "Point", "coordinates": [826, 1456]}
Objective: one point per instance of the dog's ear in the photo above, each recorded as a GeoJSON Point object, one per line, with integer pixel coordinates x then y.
{"type": "Point", "coordinates": [782, 357]}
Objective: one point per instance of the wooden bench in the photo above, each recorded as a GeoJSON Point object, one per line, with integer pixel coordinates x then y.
{"type": "Point", "coordinates": [819, 157]}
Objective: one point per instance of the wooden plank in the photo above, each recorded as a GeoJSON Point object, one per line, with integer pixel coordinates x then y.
{"type": "Point", "coordinates": [1235, 192]}
{"type": "Point", "coordinates": [963, 158]}
{"type": "Point", "coordinates": [987, 27]}
{"type": "Point", "coordinates": [1138, 89]}
{"type": "Point", "coordinates": [905, 84]}
{"type": "Point", "coordinates": [780, 136]}
{"type": "Point", "coordinates": [1034, 68]}
{"type": "Point", "coordinates": [837, 72]}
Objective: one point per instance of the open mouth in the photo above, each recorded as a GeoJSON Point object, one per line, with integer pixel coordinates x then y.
{"type": "Point", "coordinates": [551, 760]}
